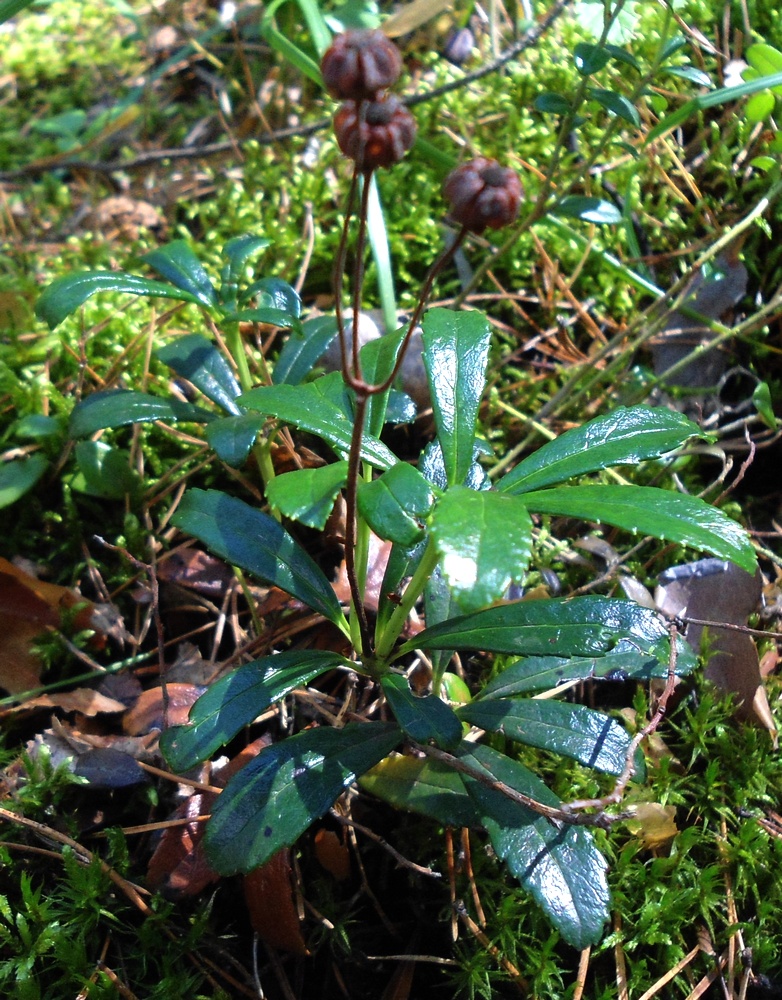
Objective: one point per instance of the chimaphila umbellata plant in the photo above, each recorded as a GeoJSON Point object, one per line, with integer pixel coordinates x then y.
{"type": "Point", "coordinates": [457, 543]}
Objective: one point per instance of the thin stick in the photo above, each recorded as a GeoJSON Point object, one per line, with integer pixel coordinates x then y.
{"type": "Point", "coordinates": [400, 858]}
{"type": "Point", "coordinates": [516, 977]}
{"type": "Point", "coordinates": [671, 973]}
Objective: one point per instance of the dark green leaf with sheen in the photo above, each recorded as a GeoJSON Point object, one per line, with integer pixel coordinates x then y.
{"type": "Point", "coordinates": [275, 797]}
{"type": "Point", "coordinates": [579, 626]}
{"type": "Point", "coordinates": [456, 350]}
{"type": "Point", "coordinates": [251, 539]}
{"type": "Point", "coordinates": [308, 495]}
{"type": "Point", "coordinates": [64, 295]}
{"type": "Point", "coordinates": [19, 476]}
{"type": "Point", "coordinates": [575, 731]}
{"type": "Point", "coordinates": [104, 471]}
{"type": "Point", "coordinates": [310, 408]}
{"type": "Point", "coordinates": [274, 293]}
{"type": "Point", "coordinates": [424, 786]}
{"type": "Point", "coordinates": [423, 719]}
{"type": "Point", "coordinates": [303, 349]}
{"type": "Point", "coordinates": [617, 104]}
{"type": "Point", "coordinates": [236, 699]}
{"type": "Point", "coordinates": [588, 209]}
{"type": "Point", "coordinates": [233, 437]}
{"type": "Point", "coordinates": [238, 251]}
{"type": "Point", "coordinates": [559, 865]}
{"type": "Point", "coordinates": [199, 361]}
{"type": "Point", "coordinates": [119, 407]}
{"type": "Point", "coordinates": [646, 510]}
{"type": "Point", "coordinates": [484, 543]}
{"type": "Point", "coordinates": [396, 504]}
{"type": "Point", "coordinates": [177, 263]}
{"type": "Point", "coordinates": [590, 59]}
{"type": "Point", "coordinates": [625, 662]}
{"type": "Point", "coordinates": [625, 436]}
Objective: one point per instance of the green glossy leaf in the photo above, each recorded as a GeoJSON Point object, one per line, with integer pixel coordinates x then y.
{"type": "Point", "coordinates": [119, 407]}
{"type": "Point", "coordinates": [303, 349]}
{"type": "Point", "coordinates": [625, 662]}
{"type": "Point", "coordinates": [396, 504]}
{"type": "Point", "coordinates": [238, 251]}
{"type": "Point", "coordinates": [64, 295]}
{"type": "Point", "coordinates": [233, 437]}
{"type": "Point", "coordinates": [308, 495]}
{"type": "Point", "coordinates": [691, 73]}
{"type": "Point", "coordinates": [618, 105]}
{"type": "Point", "coordinates": [251, 539]}
{"type": "Point", "coordinates": [590, 59]}
{"type": "Point", "coordinates": [400, 409]}
{"type": "Point", "coordinates": [264, 314]}
{"type": "Point", "coordinates": [177, 263]}
{"type": "Point", "coordinates": [275, 797]}
{"type": "Point", "coordinates": [18, 477]}
{"type": "Point", "coordinates": [595, 210]}
{"type": "Point", "coordinates": [37, 427]}
{"type": "Point", "coordinates": [424, 786]}
{"type": "Point", "coordinates": [104, 471]}
{"type": "Point", "coordinates": [456, 350]}
{"type": "Point", "coordinates": [484, 540]}
{"type": "Point", "coordinates": [552, 104]}
{"type": "Point", "coordinates": [625, 436]}
{"type": "Point", "coordinates": [579, 626]}
{"type": "Point", "coordinates": [423, 719]}
{"type": "Point", "coordinates": [274, 293]}
{"type": "Point", "coordinates": [761, 397]}
{"type": "Point", "coordinates": [558, 864]}
{"type": "Point", "coordinates": [378, 358]}
{"type": "Point", "coordinates": [200, 362]}
{"type": "Point", "coordinates": [592, 738]}
{"type": "Point", "coordinates": [311, 408]}
{"type": "Point", "coordinates": [647, 510]}
{"type": "Point", "coordinates": [764, 59]}
{"type": "Point", "coordinates": [235, 700]}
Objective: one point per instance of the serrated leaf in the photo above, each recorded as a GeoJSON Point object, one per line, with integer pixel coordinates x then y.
{"type": "Point", "coordinates": [590, 737]}
{"type": "Point", "coordinates": [18, 477]}
{"type": "Point", "coordinates": [647, 510]}
{"type": "Point", "coordinates": [396, 504]}
{"type": "Point", "coordinates": [579, 626]}
{"type": "Point", "coordinates": [625, 436]}
{"type": "Point", "coordinates": [618, 105]}
{"type": "Point", "coordinates": [274, 293]}
{"type": "Point", "coordinates": [595, 210]}
{"type": "Point", "coordinates": [233, 437]}
{"type": "Point", "coordinates": [238, 250]}
{"type": "Point", "coordinates": [303, 349]}
{"type": "Point", "coordinates": [236, 699]}
{"type": "Point", "coordinates": [64, 295]}
{"type": "Point", "coordinates": [308, 495]}
{"type": "Point", "coordinates": [310, 408]}
{"type": "Point", "coordinates": [251, 539]}
{"type": "Point", "coordinates": [558, 864]}
{"type": "Point", "coordinates": [423, 719]}
{"type": "Point", "coordinates": [120, 407]}
{"type": "Point", "coordinates": [625, 662]}
{"type": "Point", "coordinates": [200, 362]}
{"type": "Point", "coordinates": [456, 350]}
{"type": "Point", "coordinates": [177, 263]}
{"type": "Point", "coordinates": [422, 786]}
{"type": "Point", "coordinates": [484, 543]}
{"type": "Point", "coordinates": [275, 797]}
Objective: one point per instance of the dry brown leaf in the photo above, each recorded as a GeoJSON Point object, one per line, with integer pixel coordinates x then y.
{"type": "Point", "coordinates": [83, 700]}
{"type": "Point", "coordinates": [150, 711]}
{"type": "Point", "coordinates": [333, 854]}
{"type": "Point", "coordinates": [653, 824]}
{"type": "Point", "coordinates": [270, 899]}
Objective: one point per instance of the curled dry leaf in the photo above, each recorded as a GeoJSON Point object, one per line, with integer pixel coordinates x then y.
{"type": "Point", "coordinates": [151, 711]}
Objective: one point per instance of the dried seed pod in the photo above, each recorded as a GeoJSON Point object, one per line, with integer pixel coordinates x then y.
{"type": "Point", "coordinates": [360, 64]}
{"type": "Point", "coordinates": [375, 134]}
{"type": "Point", "coordinates": [482, 193]}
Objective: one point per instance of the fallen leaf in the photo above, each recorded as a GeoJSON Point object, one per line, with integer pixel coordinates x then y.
{"type": "Point", "coordinates": [83, 700]}
{"type": "Point", "coordinates": [150, 711]}
{"type": "Point", "coordinates": [333, 854]}
{"type": "Point", "coordinates": [653, 824]}
{"type": "Point", "coordinates": [268, 892]}
{"type": "Point", "coordinates": [713, 590]}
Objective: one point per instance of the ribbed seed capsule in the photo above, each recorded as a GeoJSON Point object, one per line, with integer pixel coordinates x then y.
{"type": "Point", "coordinates": [360, 64]}
{"type": "Point", "coordinates": [483, 194]}
{"type": "Point", "coordinates": [376, 133]}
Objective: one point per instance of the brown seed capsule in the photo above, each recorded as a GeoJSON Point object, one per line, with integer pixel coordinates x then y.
{"type": "Point", "coordinates": [482, 193]}
{"type": "Point", "coordinates": [375, 134]}
{"type": "Point", "coordinates": [360, 64]}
